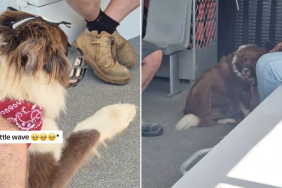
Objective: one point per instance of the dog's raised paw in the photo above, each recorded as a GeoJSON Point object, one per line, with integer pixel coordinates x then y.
{"type": "Point", "coordinates": [109, 121]}
{"type": "Point", "coordinates": [226, 121]}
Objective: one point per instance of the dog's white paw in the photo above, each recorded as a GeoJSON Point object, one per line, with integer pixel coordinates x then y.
{"type": "Point", "coordinates": [245, 111]}
{"type": "Point", "coordinates": [109, 121]}
{"type": "Point", "coordinates": [226, 121]}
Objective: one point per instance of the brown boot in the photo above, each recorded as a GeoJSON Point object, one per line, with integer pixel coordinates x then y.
{"type": "Point", "coordinates": [99, 53]}
{"type": "Point", "coordinates": [125, 52]}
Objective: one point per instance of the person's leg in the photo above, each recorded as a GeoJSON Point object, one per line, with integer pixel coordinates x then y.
{"type": "Point", "coordinates": [107, 21]}
{"type": "Point", "coordinates": [109, 54]}
{"type": "Point", "coordinates": [151, 61]}
{"type": "Point", "coordinates": [150, 66]}
{"type": "Point", "coordinates": [14, 161]}
{"type": "Point", "coordinates": [88, 9]}
{"type": "Point", "coordinates": [269, 73]}
{"type": "Point", "coordinates": [119, 9]}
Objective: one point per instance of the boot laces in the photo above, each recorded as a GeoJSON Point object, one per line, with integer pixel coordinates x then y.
{"type": "Point", "coordinates": [111, 42]}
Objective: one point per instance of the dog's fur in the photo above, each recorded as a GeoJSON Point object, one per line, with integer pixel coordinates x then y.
{"type": "Point", "coordinates": [223, 92]}
{"type": "Point", "coordinates": [34, 68]}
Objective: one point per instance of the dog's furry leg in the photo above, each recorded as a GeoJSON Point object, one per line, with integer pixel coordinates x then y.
{"type": "Point", "coordinates": [41, 166]}
{"type": "Point", "coordinates": [103, 125]}
{"type": "Point", "coordinates": [78, 147]}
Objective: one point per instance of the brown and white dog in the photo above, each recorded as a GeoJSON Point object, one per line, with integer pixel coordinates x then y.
{"type": "Point", "coordinates": [223, 92]}
{"type": "Point", "coordinates": [34, 68]}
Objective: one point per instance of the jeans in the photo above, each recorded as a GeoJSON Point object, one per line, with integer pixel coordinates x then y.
{"type": "Point", "coordinates": [269, 73]}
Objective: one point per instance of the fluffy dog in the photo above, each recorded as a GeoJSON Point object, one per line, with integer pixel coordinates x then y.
{"type": "Point", "coordinates": [34, 68]}
{"type": "Point", "coordinates": [223, 92]}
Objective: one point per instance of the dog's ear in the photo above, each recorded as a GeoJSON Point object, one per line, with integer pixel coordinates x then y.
{"type": "Point", "coordinates": [240, 56]}
{"type": "Point", "coordinates": [244, 55]}
{"type": "Point", "coordinates": [58, 66]}
{"type": "Point", "coordinates": [33, 56]}
{"type": "Point", "coordinates": [29, 55]}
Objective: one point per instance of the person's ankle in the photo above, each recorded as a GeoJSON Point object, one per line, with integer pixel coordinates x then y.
{"type": "Point", "coordinates": [102, 23]}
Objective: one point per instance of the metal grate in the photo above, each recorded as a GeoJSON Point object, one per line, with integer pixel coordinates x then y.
{"type": "Point", "coordinates": [252, 21]}
{"type": "Point", "coordinates": [239, 25]}
{"type": "Point", "coordinates": [265, 23]}
{"type": "Point", "coordinates": [205, 24]}
{"type": "Point", "coordinates": [258, 21]}
{"type": "Point", "coordinates": [278, 22]}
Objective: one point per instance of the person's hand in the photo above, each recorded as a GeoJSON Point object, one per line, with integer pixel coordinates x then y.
{"type": "Point", "coordinates": [277, 48]}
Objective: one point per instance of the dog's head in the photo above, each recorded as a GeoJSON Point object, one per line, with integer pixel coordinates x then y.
{"type": "Point", "coordinates": [34, 47]}
{"type": "Point", "coordinates": [245, 60]}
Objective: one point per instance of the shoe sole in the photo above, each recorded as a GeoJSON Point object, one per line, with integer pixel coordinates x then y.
{"type": "Point", "coordinates": [104, 77]}
{"type": "Point", "coordinates": [152, 134]}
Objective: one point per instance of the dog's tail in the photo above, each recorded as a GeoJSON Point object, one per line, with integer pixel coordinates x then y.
{"type": "Point", "coordinates": [188, 121]}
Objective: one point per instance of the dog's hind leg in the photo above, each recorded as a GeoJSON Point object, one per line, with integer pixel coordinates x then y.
{"type": "Point", "coordinates": [103, 125]}
{"type": "Point", "coordinates": [217, 114]}
{"type": "Point", "coordinates": [206, 122]}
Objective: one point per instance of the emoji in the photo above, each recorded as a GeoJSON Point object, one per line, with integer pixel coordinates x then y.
{"type": "Point", "coordinates": [34, 137]}
{"type": "Point", "coordinates": [52, 137]}
{"type": "Point", "coordinates": [43, 136]}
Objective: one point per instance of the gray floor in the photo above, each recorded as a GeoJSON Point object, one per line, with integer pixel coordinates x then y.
{"type": "Point", "coordinates": [162, 156]}
{"type": "Point", "coordinates": [119, 165]}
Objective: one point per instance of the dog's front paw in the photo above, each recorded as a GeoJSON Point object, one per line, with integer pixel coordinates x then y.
{"type": "Point", "coordinates": [109, 121]}
{"type": "Point", "coordinates": [226, 121]}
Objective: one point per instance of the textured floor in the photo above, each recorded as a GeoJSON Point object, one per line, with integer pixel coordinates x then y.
{"type": "Point", "coordinates": [119, 165]}
{"type": "Point", "coordinates": [162, 156]}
